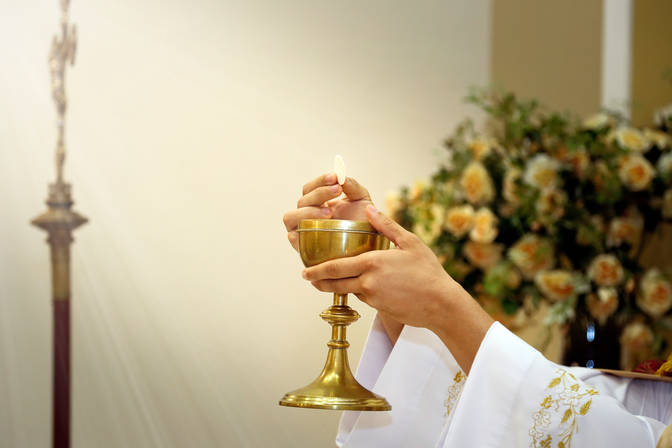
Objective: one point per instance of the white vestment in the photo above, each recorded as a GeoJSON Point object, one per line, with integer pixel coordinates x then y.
{"type": "Point", "coordinates": [513, 397]}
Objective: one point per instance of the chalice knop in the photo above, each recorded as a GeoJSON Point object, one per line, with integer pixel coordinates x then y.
{"type": "Point", "coordinates": [321, 240]}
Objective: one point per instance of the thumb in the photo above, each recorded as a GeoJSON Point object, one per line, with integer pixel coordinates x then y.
{"type": "Point", "coordinates": [388, 227]}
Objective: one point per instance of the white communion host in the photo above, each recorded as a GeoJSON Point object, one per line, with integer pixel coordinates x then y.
{"type": "Point", "coordinates": [454, 376]}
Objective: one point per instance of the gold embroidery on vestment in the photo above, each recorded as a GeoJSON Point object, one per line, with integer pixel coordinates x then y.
{"type": "Point", "coordinates": [454, 392]}
{"type": "Point", "coordinates": [565, 397]}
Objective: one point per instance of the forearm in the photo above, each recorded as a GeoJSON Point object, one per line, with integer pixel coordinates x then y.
{"type": "Point", "coordinates": [392, 327]}
{"type": "Point", "coordinates": [460, 323]}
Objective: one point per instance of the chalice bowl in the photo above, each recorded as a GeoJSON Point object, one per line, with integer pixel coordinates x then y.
{"type": "Point", "coordinates": [336, 388]}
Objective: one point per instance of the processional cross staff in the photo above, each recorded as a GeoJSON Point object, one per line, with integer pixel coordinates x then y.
{"type": "Point", "coordinates": [59, 221]}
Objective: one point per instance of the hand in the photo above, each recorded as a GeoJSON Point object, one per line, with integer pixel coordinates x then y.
{"type": "Point", "coordinates": [406, 284]}
{"type": "Point", "coordinates": [410, 286]}
{"type": "Point", "coordinates": [319, 201]}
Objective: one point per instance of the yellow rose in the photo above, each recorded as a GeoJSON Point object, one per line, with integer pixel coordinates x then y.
{"type": "Point", "coordinates": [556, 285]}
{"type": "Point", "coordinates": [597, 121]}
{"type": "Point", "coordinates": [477, 184]}
{"type": "Point", "coordinates": [532, 254]}
{"type": "Point", "coordinates": [485, 226]}
{"type": "Point", "coordinates": [632, 139]}
{"type": "Point", "coordinates": [636, 340]}
{"type": "Point", "coordinates": [542, 172]}
{"type": "Point", "coordinates": [430, 228]}
{"type": "Point", "coordinates": [480, 147]}
{"type": "Point", "coordinates": [606, 270]}
{"type": "Point", "coordinates": [482, 255]}
{"type": "Point", "coordinates": [459, 219]}
{"type": "Point", "coordinates": [603, 304]}
{"type": "Point", "coordinates": [655, 294]}
{"type": "Point", "coordinates": [660, 139]}
{"type": "Point", "coordinates": [635, 172]}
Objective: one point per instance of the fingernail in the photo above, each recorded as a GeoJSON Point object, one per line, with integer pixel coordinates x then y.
{"type": "Point", "coordinates": [330, 178]}
{"type": "Point", "coordinates": [326, 211]}
{"type": "Point", "coordinates": [372, 209]}
{"type": "Point", "coordinates": [304, 274]}
{"type": "Point", "coordinates": [334, 188]}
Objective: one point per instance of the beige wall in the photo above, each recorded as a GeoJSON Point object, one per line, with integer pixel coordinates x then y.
{"type": "Point", "coordinates": [652, 58]}
{"type": "Point", "coordinates": [549, 51]}
{"type": "Point", "coordinates": [192, 127]}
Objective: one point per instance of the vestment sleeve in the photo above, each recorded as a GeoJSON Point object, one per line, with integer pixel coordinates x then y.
{"type": "Point", "coordinates": [515, 397]}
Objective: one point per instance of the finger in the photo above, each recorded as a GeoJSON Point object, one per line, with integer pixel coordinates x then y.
{"type": "Point", "coordinates": [292, 218]}
{"type": "Point", "coordinates": [325, 179]}
{"type": "Point", "coordinates": [342, 286]}
{"type": "Point", "coordinates": [339, 268]}
{"type": "Point", "coordinates": [293, 238]}
{"type": "Point", "coordinates": [354, 191]}
{"type": "Point", "coordinates": [385, 225]}
{"type": "Point", "coordinates": [319, 196]}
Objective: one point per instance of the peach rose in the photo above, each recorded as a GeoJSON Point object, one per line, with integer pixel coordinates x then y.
{"type": "Point", "coordinates": [557, 285]}
{"type": "Point", "coordinates": [542, 172]}
{"type": "Point", "coordinates": [532, 254]}
{"type": "Point", "coordinates": [632, 139]}
{"type": "Point", "coordinates": [482, 255]}
{"type": "Point", "coordinates": [655, 294]}
{"type": "Point", "coordinates": [485, 226]}
{"type": "Point", "coordinates": [625, 229]}
{"type": "Point", "coordinates": [635, 172]}
{"type": "Point", "coordinates": [459, 219]}
{"type": "Point", "coordinates": [419, 186]}
{"type": "Point", "coordinates": [636, 340]}
{"type": "Point", "coordinates": [603, 304]}
{"type": "Point", "coordinates": [606, 270]}
{"type": "Point", "coordinates": [477, 184]}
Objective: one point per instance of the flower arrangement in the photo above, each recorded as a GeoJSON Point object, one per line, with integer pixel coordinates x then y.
{"type": "Point", "coordinates": [542, 207]}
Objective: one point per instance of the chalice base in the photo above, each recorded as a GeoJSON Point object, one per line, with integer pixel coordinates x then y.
{"type": "Point", "coordinates": [336, 388]}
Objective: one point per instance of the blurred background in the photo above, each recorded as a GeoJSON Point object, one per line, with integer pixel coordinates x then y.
{"type": "Point", "coordinates": [191, 128]}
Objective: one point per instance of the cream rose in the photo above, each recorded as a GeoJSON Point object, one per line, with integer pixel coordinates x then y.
{"type": "Point", "coordinates": [429, 229]}
{"type": "Point", "coordinates": [459, 220]}
{"type": "Point", "coordinates": [482, 255]}
{"type": "Point", "coordinates": [485, 226]}
{"type": "Point", "coordinates": [557, 285]}
{"type": "Point", "coordinates": [632, 139]}
{"type": "Point", "coordinates": [532, 254]}
{"type": "Point", "coordinates": [509, 184]}
{"type": "Point", "coordinates": [636, 172]}
{"type": "Point", "coordinates": [596, 121]}
{"type": "Point", "coordinates": [542, 172]}
{"type": "Point", "coordinates": [606, 270]}
{"type": "Point", "coordinates": [660, 139]}
{"type": "Point", "coordinates": [602, 304]}
{"type": "Point", "coordinates": [477, 184]}
{"type": "Point", "coordinates": [551, 203]}
{"type": "Point", "coordinates": [655, 294]}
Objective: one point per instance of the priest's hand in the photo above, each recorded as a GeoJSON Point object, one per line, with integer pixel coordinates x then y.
{"type": "Point", "coordinates": [409, 285]}
{"type": "Point", "coordinates": [319, 200]}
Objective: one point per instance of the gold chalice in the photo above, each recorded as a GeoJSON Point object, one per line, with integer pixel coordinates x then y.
{"type": "Point", "coordinates": [321, 240]}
